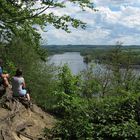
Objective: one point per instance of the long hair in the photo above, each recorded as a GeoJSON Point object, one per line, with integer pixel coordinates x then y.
{"type": "Point", "coordinates": [18, 72]}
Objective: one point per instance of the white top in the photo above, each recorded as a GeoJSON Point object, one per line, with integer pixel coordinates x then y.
{"type": "Point", "coordinates": [17, 83]}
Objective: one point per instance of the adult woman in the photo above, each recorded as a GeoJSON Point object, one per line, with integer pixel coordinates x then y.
{"type": "Point", "coordinates": [18, 85]}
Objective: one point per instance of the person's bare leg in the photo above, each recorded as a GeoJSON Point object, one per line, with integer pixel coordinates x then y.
{"type": "Point", "coordinates": [28, 96]}
{"type": "Point", "coordinates": [6, 83]}
{"type": "Point", "coordinates": [28, 109]}
{"type": "Point", "coordinates": [5, 78]}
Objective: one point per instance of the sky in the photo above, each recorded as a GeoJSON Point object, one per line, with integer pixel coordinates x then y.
{"type": "Point", "coordinates": [115, 20]}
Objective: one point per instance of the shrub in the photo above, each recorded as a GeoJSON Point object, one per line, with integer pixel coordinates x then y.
{"type": "Point", "coordinates": [111, 118]}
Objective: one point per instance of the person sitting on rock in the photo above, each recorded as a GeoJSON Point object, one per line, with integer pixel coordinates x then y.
{"type": "Point", "coordinates": [4, 77]}
{"type": "Point", "coordinates": [18, 85]}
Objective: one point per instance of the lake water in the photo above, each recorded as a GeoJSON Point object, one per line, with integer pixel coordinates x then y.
{"type": "Point", "coordinates": [73, 59]}
{"type": "Point", "coordinates": [75, 62]}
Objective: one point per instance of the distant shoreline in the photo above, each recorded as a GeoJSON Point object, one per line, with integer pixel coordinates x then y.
{"type": "Point", "coordinates": [90, 46]}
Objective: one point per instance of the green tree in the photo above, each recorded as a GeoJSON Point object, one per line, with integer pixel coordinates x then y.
{"type": "Point", "coordinates": [19, 15]}
{"type": "Point", "coordinates": [20, 40]}
{"type": "Point", "coordinates": [90, 84]}
{"type": "Point", "coordinates": [120, 63]}
{"type": "Point", "coordinates": [103, 76]}
{"type": "Point", "coordinates": [67, 82]}
{"type": "Point", "coordinates": [18, 19]}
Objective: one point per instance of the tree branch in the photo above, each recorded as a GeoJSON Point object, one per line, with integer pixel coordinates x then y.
{"type": "Point", "coordinates": [30, 17]}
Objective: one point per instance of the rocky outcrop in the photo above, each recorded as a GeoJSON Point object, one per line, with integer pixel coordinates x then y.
{"type": "Point", "coordinates": [17, 122]}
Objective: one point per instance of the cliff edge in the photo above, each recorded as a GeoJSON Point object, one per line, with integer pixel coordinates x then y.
{"type": "Point", "coordinates": [20, 123]}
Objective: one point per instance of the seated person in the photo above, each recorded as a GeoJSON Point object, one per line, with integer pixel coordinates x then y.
{"type": "Point", "coordinates": [18, 85]}
{"type": "Point", "coordinates": [3, 77]}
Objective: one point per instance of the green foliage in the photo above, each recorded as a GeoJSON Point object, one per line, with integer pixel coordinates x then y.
{"type": "Point", "coordinates": [116, 117]}
{"type": "Point", "coordinates": [111, 117]}
{"type": "Point", "coordinates": [90, 85]}
{"type": "Point", "coordinates": [108, 118]}
{"type": "Point", "coordinates": [17, 16]}
{"type": "Point", "coordinates": [19, 37]}
{"type": "Point", "coordinates": [136, 86]}
{"type": "Point", "coordinates": [75, 122]}
{"type": "Point", "coordinates": [67, 82]}
{"type": "Point", "coordinates": [20, 43]}
{"type": "Point", "coordinates": [24, 53]}
{"type": "Point", "coordinates": [123, 77]}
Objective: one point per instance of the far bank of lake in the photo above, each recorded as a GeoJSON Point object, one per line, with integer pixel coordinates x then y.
{"type": "Point", "coordinates": [75, 62]}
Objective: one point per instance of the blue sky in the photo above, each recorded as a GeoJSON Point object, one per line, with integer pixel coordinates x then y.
{"type": "Point", "coordinates": [116, 20]}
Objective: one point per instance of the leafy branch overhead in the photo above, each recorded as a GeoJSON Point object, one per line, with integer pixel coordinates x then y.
{"type": "Point", "coordinates": [16, 14]}
{"type": "Point", "coordinates": [19, 19]}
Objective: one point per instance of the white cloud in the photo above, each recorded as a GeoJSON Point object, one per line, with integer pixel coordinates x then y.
{"type": "Point", "coordinates": [127, 40]}
{"type": "Point", "coordinates": [127, 16]}
{"type": "Point", "coordinates": [116, 20]}
{"type": "Point", "coordinates": [78, 36]}
{"type": "Point", "coordinates": [107, 3]}
{"type": "Point", "coordinates": [108, 16]}
{"type": "Point", "coordinates": [131, 17]}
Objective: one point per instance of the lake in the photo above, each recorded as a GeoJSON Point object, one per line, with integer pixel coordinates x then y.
{"type": "Point", "coordinates": [74, 60]}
